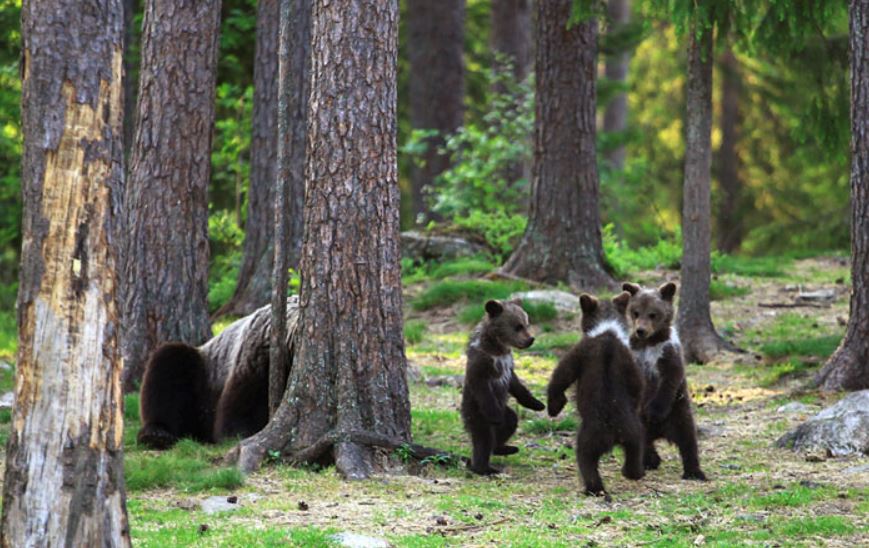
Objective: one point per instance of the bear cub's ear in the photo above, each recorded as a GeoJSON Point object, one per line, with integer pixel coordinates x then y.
{"type": "Point", "coordinates": [632, 289]}
{"type": "Point", "coordinates": [667, 291]}
{"type": "Point", "coordinates": [621, 301]}
{"type": "Point", "coordinates": [587, 303]}
{"type": "Point", "coordinates": [494, 308]}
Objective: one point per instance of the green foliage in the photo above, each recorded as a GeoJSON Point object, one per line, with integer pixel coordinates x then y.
{"type": "Point", "coordinates": [755, 267]}
{"type": "Point", "coordinates": [540, 312]}
{"type": "Point", "coordinates": [719, 291]}
{"type": "Point", "coordinates": [11, 141]}
{"type": "Point", "coordinates": [226, 244]}
{"type": "Point", "coordinates": [462, 267]}
{"type": "Point", "coordinates": [499, 229]}
{"type": "Point", "coordinates": [8, 334]}
{"type": "Point", "coordinates": [624, 261]}
{"type": "Point", "coordinates": [547, 426]}
{"type": "Point", "coordinates": [414, 331]}
{"type": "Point", "coordinates": [230, 155]}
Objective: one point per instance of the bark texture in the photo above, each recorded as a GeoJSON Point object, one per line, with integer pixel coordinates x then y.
{"type": "Point", "coordinates": [166, 256]}
{"type": "Point", "coordinates": [437, 83]}
{"type": "Point", "coordinates": [64, 481]}
{"type": "Point", "coordinates": [348, 372]}
{"type": "Point", "coordinates": [253, 288]}
{"type": "Point", "coordinates": [700, 342]}
{"type": "Point", "coordinates": [563, 241]}
{"type": "Point", "coordinates": [615, 117]}
{"type": "Point", "coordinates": [848, 367]}
{"type": "Point", "coordinates": [511, 34]}
{"type": "Point", "coordinates": [287, 210]}
{"type": "Point", "coordinates": [729, 226]}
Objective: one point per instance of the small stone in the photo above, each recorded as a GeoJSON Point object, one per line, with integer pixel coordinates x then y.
{"type": "Point", "coordinates": [352, 540]}
{"type": "Point", "coordinates": [203, 528]}
{"type": "Point", "coordinates": [860, 469]}
{"type": "Point", "coordinates": [815, 456]}
{"type": "Point", "coordinates": [232, 499]}
{"type": "Point", "coordinates": [751, 517]}
{"type": "Point", "coordinates": [7, 400]}
{"type": "Point", "coordinates": [809, 484]}
{"type": "Point", "coordinates": [213, 505]}
{"type": "Point", "coordinates": [709, 389]}
{"type": "Point", "coordinates": [478, 516]}
{"type": "Point", "coordinates": [440, 520]}
{"type": "Point", "coordinates": [4, 366]}
{"type": "Point", "coordinates": [561, 300]}
{"type": "Point", "coordinates": [795, 407]}
{"type": "Point", "coordinates": [700, 540]}
{"type": "Point", "coordinates": [303, 506]}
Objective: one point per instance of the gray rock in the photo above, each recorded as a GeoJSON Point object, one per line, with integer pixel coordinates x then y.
{"type": "Point", "coordinates": [839, 430]}
{"type": "Point", "coordinates": [5, 366]}
{"type": "Point", "coordinates": [561, 300]}
{"type": "Point", "coordinates": [213, 505]}
{"type": "Point", "coordinates": [860, 469]}
{"type": "Point", "coordinates": [352, 540]}
{"type": "Point", "coordinates": [706, 431]}
{"type": "Point", "coordinates": [795, 407]}
{"type": "Point", "coordinates": [426, 247]}
{"type": "Point", "coordinates": [7, 400]}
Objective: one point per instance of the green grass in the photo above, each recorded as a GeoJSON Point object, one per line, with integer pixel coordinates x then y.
{"type": "Point", "coordinates": [795, 335]}
{"type": "Point", "coordinates": [754, 267]}
{"type": "Point", "coordinates": [186, 467]}
{"type": "Point", "coordinates": [769, 376]}
{"type": "Point", "coordinates": [8, 335]}
{"type": "Point", "coordinates": [719, 291]}
{"type": "Point", "coordinates": [820, 526]}
{"type": "Point", "coordinates": [821, 347]}
{"type": "Point", "coordinates": [414, 331]}
{"type": "Point", "coordinates": [447, 292]}
{"type": "Point", "coordinates": [547, 342]}
{"type": "Point", "coordinates": [546, 426]}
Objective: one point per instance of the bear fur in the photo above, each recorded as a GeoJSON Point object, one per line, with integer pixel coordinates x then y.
{"type": "Point", "coordinates": [489, 378]}
{"type": "Point", "coordinates": [667, 401]}
{"type": "Point", "coordinates": [609, 391]}
{"type": "Point", "coordinates": [216, 391]}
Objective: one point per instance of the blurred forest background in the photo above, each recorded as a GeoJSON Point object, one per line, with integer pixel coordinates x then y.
{"type": "Point", "coordinates": [780, 142]}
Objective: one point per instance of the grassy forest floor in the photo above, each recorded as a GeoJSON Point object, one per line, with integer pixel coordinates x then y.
{"type": "Point", "coordinates": [757, 494]}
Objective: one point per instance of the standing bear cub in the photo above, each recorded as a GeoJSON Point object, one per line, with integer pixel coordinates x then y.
{"type": "Point", "coordinates": [667, 403]}
{"type": "Point", "coordinates": [609, 391]}
{"type": "Point", "coordinates": [489, 378]}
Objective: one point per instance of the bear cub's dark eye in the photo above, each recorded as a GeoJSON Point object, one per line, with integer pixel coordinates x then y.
{"type": "Point", "coordinates": [653, 316]}
{"type": "Point", "coordinates": [636, 314]}
{"type": "Point", "coordinates": [518, 327]}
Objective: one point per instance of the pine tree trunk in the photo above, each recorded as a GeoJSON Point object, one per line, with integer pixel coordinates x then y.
{"type": "Point", "coordinates": [615, 117]}
{"type": "Point", "coordinates": [130, 35]}
{"type": "Point", "coordinates": [730, 208]}
{"type": "Point", "coordinates": [64, 481]}
{"type": "Point", "coordinates": [511, 34]}
{"type": "Point", "coordinates": [255, 276]}
{"type": "Point", "coordinates": [166, 258]}
{"type": "Point", "coordinates": [848, 367]}
{"type": "Point", "coordinates": [348, 373]}
{"type": "Point", "coordinates": [699, 339]}
{"type": "Point", "coordinates": [437, 84]}
{"type": "Point", "coordinates": [562, 242]}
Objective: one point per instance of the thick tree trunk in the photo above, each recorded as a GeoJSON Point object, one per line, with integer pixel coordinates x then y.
{"type": "Point", "coordinates": [563, 239]}
{"type": "Point", "coordinates": [699, 339]}
{"type": "Point", "coordinates": [130, 35]}
{"type": "Point", "coordinates": [848, 367]}
{"type": "Point", "coordinates": [437, 83]}
{"type": "Point", "coordinates": [166, 258]}
{"type": "Point", "coordinates": [615, 117]}
{"type": "Point", "coordinates": [64, 481]}
{"type": "Point", "coordinates": [348, 371]}
{"type": "Point", "coordinates": [730, 210]}
{"type": "Point", "coordinates": [511, 34]}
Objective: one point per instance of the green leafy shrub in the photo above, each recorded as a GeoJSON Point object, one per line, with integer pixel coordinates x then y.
{"type": "Point", "coordinates": [447, 292]}
{"type": "Point", "coordinates": [414, 330]}
{"type": "Point", "coordinates": [719, 291]}
{"type": "Point", "coordinates": [226, 243]}
{"type": "Point", "coordinates": [624, 261]}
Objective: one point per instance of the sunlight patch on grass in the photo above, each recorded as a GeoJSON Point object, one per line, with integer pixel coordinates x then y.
{"type": "Point", "coordinates": [185, 467]}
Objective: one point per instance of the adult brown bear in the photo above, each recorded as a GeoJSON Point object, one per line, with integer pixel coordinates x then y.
{"type": "Point", "coordinates": [216, 391]}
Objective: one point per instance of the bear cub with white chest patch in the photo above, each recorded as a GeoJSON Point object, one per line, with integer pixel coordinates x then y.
{"type": "Point", "coordinates": [609, 391]}
{"type": "Point", "coordinates": [490, 378]}
{"type": "Point", "coordinates": [667, 402]}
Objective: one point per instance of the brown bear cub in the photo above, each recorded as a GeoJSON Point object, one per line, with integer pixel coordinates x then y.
{"type": "Point", "coordinates": [489, 378]}
{"type": "Point", "coordinates": [609, 391]}
{"type": "Point", "coordinates": [667, 403]}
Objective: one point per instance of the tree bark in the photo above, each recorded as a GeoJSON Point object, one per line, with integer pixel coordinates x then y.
{"type": "Point", "coordinates": [255, 276]}
{"type": "Point", "coordinates": [64, 481]}
{"type": "Point", "coordinates": [700, 342]}
{"type": "Point", "coordinates": [615, 117]}
{"type": "Point", "coordinates": [166, 266]}
{"type": "Point", "coordinates": [562, 242]}
{"type": "Point", "coordinates": [511, 34]}
{"type": "Point", "coordinates": [348, 372]}
{"type": "Point", "coordinates": [730, 207]}
{"type": "Point", "coordinates": [437, 84]}
{"type": "Point", "coordinates": [848, 367]}
{"type": "Point", "coordinates": [130, 35]}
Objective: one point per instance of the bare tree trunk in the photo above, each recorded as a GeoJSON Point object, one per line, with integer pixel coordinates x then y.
{"type": "Point", "coordinates": [64, 480]}
{"type": "Point", "coordinates": [563, 241]}
{"type": "Point", "coordinates": [253, 288]}
{"type": "Point", "coordinates": [848, 367]}
{"type": "Point", "coordinates": [293, 90]}
{"type": "Point", "coordinates": [437, 83]}
{"type": "Point", "coordinates": [511, 34]}
{"type": "Point", "coordinates": [129, 83]}
{"type": "Point", "coordinates": [730, 208]}
{"type": "Point", "coordinates": [166, 258]}
{"type": "Point", "coordinates": [615, 117]}
{"type": "Point", "coordinates": [348, 371]}
{"type": "Point", "coordinates": [699, 339]}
